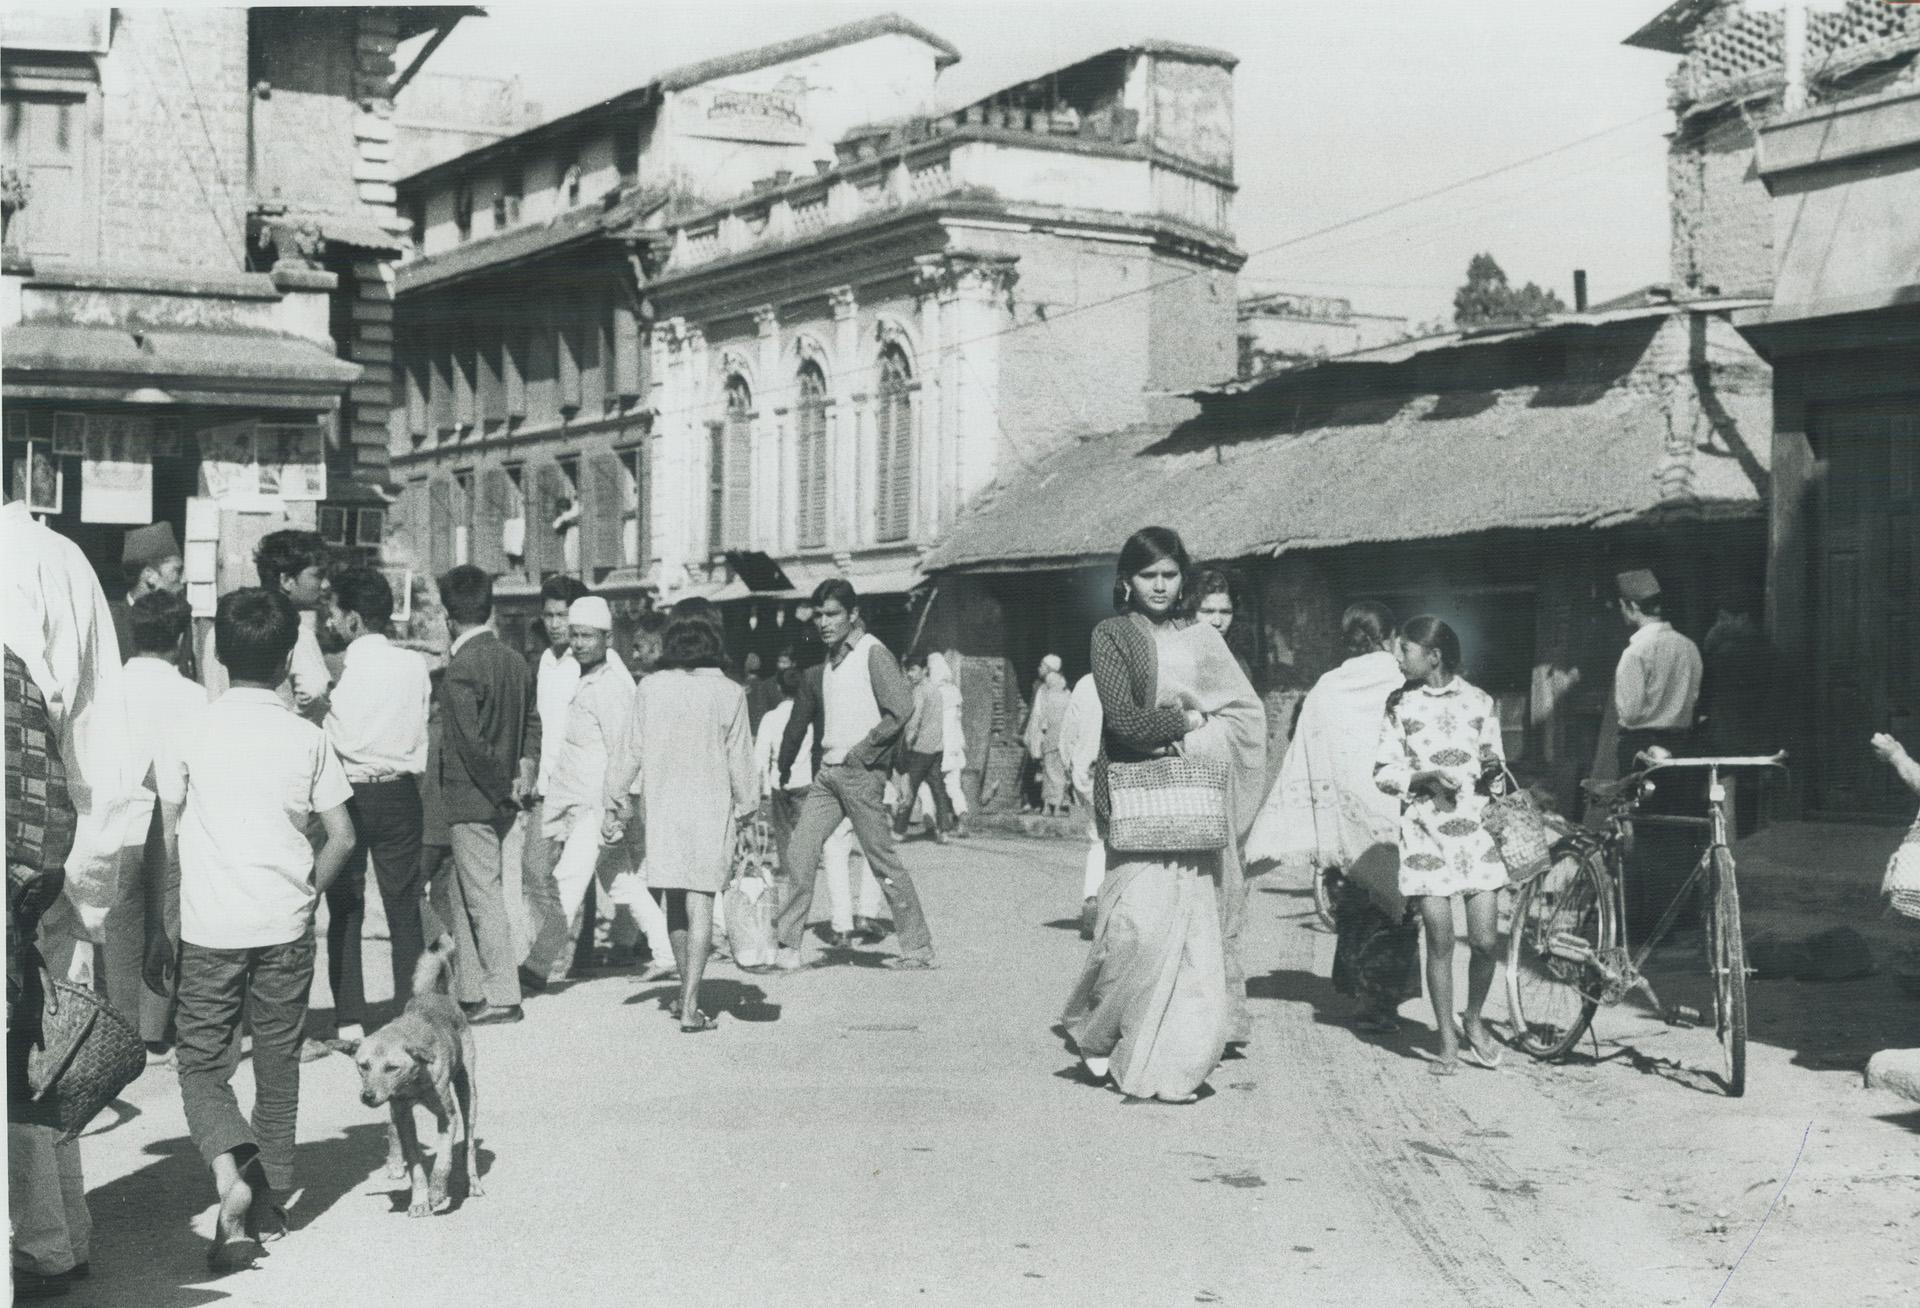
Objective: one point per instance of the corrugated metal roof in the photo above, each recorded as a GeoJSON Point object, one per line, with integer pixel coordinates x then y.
{"type": "Point", "coordinates": [1397, 469]}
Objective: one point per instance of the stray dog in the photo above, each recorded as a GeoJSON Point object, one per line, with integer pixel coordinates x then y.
{"type": "Point", "coordinates": [425, 1056]}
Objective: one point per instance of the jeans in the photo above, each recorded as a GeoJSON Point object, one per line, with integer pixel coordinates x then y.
{"type": "Point", "coordinates": [853, 793]}
{"type": "Point", "coordinates": [924, 770]}
{"type": "Point", "coordinates": [269, 984]}
{"type": "Point", "coordinates": [386, 825]}
{"type": "Point", "coordinates": [837, 852]}
{"type": "Point", "coordinates": [471, 901]}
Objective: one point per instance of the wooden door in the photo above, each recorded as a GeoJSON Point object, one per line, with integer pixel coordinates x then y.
{"type": "Point", "coordinates": [1866, 668]}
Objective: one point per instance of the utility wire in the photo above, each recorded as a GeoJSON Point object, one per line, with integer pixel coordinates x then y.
{"type": "Point", "coordinates": [200, 112]}
{"type": "Point", "coordinates": [166, 108]}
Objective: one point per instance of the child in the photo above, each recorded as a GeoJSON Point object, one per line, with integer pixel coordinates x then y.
{"type": "Point", "coordinates": [1438, 736]}
{"type": "Point", "coordinates": [235, 800]}
{"type": "Point", "coordinates": [1902, 883]}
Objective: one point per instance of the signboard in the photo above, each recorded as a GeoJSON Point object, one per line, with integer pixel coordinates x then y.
{"type": "Point", "coordinates": [774, 117]}
{"type": "Point", "coordinates": [116, 475]}
{"type": "Point", "coordinates": [292, 459]}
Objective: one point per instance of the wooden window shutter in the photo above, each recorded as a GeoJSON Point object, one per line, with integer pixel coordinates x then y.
{"type": "Point", "coordinates": [415, 381]}
{"type": "Point", "coordinates": [642, 457]}
{"type": "Point", "coordinates": [626, 352]}
{"type": "Point", "coordinates": [440, 525]}
{"type": "Point", "coordinates": [716, 486]}
{"type": "Point", "coordinates": [496, 506]}
{"type": "Point", "coordinates": [893, 419]}
{"type": "Point", "coordinates": [542, 367]}
{"type": "Point", "coordinates": [464, 413]}
{"type": "Point", "coordinates": [606, 506]}
{"type": "Point", "coordinates": [543, 545]}
{"type": "Point", "coordinates": [566, 340]}
{"type": "Point", "coordinates": [513, 370]}
{"type": "Point", "coordinates": [440, 383]}
{"type": "Point", "coordinates": [739, 469]}
{"type": "Point", "coordinates": [492, 391]}
{"type": "Point", "coordinates": [812, 459]}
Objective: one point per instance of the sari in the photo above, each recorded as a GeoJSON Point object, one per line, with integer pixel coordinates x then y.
{"type": "Point", "coordinates": [1155, 996]}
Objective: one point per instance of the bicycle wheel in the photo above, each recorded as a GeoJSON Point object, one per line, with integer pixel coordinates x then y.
{"type": "Point", "coordinates": [1559, 920]}
{"type": "Point", "coordinates": [1326, 892]}
{"type": "Point", "coordinates": [1727, 959]}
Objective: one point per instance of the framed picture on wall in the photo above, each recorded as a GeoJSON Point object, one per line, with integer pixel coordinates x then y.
{"type": "Point", "coordinates": [46, 482]}
{"type": "Point", "coordinates": [69, 435]}
{"type": "Point", "coordinates": [333, 525]}
{"type": "Point", "coordinates": [370, 527]}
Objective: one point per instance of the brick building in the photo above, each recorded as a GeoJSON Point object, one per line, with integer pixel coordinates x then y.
{"type": "Point", "coordinates": [779, 315]}
{"type": "Point", "coordinates": [1283, 329]}
{"type": "Point", "coordinates": [1817, 200]}
{"type": "Point", "coordinates": [200, 240]}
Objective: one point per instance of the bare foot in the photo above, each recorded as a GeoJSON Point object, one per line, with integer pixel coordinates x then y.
{"type": "Point", "coordinates": [230, 1223]}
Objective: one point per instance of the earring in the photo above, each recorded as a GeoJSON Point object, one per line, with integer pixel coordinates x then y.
{"type": "Point", "coordinates": [1126, 592]}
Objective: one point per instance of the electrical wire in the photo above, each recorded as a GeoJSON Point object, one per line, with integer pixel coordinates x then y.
{"type": "Point", "coordinates": [166, 108]}
{"type": "Point", "coordinates": [193, 94]}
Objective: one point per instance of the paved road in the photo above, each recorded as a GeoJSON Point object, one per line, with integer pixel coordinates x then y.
{"type": "Point", "coordinates": [855, 1136]}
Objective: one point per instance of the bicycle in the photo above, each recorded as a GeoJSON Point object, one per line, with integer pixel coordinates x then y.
{"type": "Point", "coordinates": [1567, 951]}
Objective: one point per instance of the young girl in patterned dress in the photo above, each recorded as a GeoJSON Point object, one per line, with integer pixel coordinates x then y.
{"type": "Point", "coordinates": [1438, 736]}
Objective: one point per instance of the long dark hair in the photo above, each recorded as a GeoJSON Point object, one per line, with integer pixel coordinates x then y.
{"type": "Point", "coordinates": [1143, 549]}
{"type": "Point", "coordinates": [1431, 633]}
{"type": "Point", "coordinates": [1212, 581]}
{"type": "Point", "coordinates": [1366, 626]}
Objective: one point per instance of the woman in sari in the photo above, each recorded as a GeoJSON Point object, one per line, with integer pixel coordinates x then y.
{"type": "Point", "coordinates": [1152, 1008]}
{"type": "Point", "coordinates": [1325, 816]}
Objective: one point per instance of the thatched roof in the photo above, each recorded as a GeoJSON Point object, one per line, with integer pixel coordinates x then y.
{"type": "Point", "coordinates": [1254, 475]}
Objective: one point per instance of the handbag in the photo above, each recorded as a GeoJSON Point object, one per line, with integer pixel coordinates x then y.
{"type": "Point", "coordinates": [1902, 883]}
{"type": "Point", "coordinates": [88, 1054]}
{"type": "Point", "coordinates": [1519, 832]}
{"type": "Point", "coordinates": [1174, 804]}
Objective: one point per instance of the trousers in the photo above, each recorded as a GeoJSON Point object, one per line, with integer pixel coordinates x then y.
{"type": "Point", "coordinates": [555, 901]}
{"type": "Point", "coordinates": [142, 887]}
{"type": "Point", "coordinates": [269, 984]}
{"type": "Point", "coordinates": [923, 770]}
{"type": "Point", "coordinates": [387, 829]}
{"type": "Point", "coordinates": [46, 1192]}
{"type": "Point", "coordinates": [471, 901]}
{"type": "Point", "coordinates": [852, 793]}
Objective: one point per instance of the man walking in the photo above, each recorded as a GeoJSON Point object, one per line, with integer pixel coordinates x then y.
{"type": "Point", "coordinates": [1656, 687]}
{"type": "Point", "coordinates": [377, 722]}
{"type": "Point", "coordinates": [483, 714]}
{"type": "Point", "coordinates": [574, 762]}
{"type": "Point", "coordinates": [865, 704]}
{"type": "Point", "coordinates": [923, 749]}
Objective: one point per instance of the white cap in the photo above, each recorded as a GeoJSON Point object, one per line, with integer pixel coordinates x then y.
{"type": "Point", "coordinates": [590, 611]}
{"type": "Point", "coordinates": [1051, 663]}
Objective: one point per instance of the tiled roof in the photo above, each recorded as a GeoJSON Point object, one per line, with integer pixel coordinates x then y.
{"type": "Point", "coordinates": [1251, 476]}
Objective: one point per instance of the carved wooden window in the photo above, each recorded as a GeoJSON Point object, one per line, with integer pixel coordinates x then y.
{"type": "Point", "coordinates": [893, 432]}
{"type": "Point", "coordinates": [810, 430]}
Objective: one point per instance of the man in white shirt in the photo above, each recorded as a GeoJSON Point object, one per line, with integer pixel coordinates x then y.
{"type": "Point", "coordinates": [289, 562]}
{"type": "Point", "coordinates": [58, 623]}
{"type": "Point", "coordinates": [376, 720]}
{"type": "Point", "coordinates": [1656, 687]}
{"type": "Point", "coordinates": [162, 705]}
{"type": "Point", "coordinates": [575, 766]}
{"type": "Point", "coordinates": [555, 675]}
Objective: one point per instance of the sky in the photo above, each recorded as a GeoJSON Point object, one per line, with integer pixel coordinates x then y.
{"type": "Point", "coordinates": [1341, 108]}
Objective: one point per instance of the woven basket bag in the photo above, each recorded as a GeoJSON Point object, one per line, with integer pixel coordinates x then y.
{"type": "Point", "coordinates": [1172, 805]}
{"type": "Point", "coordinates": [88, 1054]}
{"type": "Point", "coordinates": [1519, 832]}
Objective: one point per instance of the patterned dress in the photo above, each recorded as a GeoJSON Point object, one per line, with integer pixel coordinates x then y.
{"type": "Point", "coordinates": [1443, 848]}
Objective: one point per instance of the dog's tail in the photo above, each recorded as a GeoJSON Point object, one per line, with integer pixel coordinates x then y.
{"type": "Point", "coordinates": [434, 971]}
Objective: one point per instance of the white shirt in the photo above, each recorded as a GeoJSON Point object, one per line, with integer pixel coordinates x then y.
{"type": "Point", "coordinates": [162, 705]}
{"type": "Point", "coordinates": [58, 622]}
{"type": "Point", "coordinates": [766, 751]}
{"type": "Point", "coordinates": [1657, 684]}
{"type": "Point", "coordinates": [601, 711]}
{"type": "Point", "coordinates": [250, 777]}
{"type": "Point", "coordinates": [377, 714]}
{"type": "Point", "coordinates": [554, 681]}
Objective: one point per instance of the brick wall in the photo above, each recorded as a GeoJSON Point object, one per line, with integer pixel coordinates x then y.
{"type": "Point", "coordinates": [175, 137]}
{"type": "Point", "coordinates": [1722, 222]}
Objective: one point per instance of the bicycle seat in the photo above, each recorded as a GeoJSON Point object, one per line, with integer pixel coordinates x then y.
{"type": "Point", "coordinates": [1608, 791]}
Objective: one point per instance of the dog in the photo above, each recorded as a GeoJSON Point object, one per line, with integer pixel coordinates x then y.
{"type": "Point", "coordinates": [425, 1056]}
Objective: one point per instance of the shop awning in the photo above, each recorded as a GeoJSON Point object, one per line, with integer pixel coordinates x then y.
{"type": "Point", "coordinates": [110, 364]}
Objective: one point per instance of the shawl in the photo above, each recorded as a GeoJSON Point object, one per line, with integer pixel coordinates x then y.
{"type": "Point", "coordinates": [1324, 809]}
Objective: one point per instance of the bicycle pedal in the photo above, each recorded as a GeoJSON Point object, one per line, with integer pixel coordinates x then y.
{"type": "Point", "coordinates": [1568, 946]}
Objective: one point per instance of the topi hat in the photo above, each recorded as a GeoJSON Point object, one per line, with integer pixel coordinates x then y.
{"type": "Point", "coordinates": [590, 611]}
{"type": "Point", "coordinates": [153, 543]}
{"type": "Point", "coordinates": [1051, 663]}
{"type": "Point", "coordinates": [1637, 585]}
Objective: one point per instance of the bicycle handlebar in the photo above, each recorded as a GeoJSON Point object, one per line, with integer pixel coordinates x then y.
{"type": "Point", "coordinates": [1778, 760]}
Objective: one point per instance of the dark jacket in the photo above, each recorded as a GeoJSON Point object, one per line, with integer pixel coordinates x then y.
{"type": "Point", "coordinates": [483, 722]}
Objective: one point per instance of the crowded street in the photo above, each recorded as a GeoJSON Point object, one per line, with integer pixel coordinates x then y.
{"type": "Point", "coordinates": [857, 1138]}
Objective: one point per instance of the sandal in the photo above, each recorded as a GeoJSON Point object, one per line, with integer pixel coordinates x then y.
{"type": "Point", "coordinates": [701, 1022]}
{"type": "Point", "coordinates": [1444, 1067]}
{"type": "Point", "coordinates": [1474, 1054]}
{"type": "Point", "coordinates": [901, 964]}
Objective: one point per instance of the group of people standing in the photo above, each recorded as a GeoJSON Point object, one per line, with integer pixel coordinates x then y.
{"type": "Point", "coordinates": [1392, 764]}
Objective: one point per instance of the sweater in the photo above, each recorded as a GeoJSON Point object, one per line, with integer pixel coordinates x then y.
{"type": "Point", "coordinates": [1126, 672]}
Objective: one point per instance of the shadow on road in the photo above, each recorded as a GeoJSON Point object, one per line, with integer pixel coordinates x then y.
{"type": "Point", "coordinates": [740, 1000]}
{"type": "Point", "coordinates": [147, 1215]}
{"type": "Point", "coordinates": [1331, 1008]}
{"type": "Point", "coordinates": [1063, 924]}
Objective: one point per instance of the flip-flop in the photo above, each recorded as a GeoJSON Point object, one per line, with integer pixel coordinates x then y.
{"type": "Point", "coordinates": [701, 1022]}
{"type": "Point", "coordinates": [907, 964]}
{"type": "Point", "coordinates": [1474, 1053]}
{"type": "Point", "coordinates": [1439, 1068]}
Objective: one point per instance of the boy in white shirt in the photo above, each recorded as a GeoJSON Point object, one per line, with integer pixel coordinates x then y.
{"type": "Point", "coordinates": [235, 798]}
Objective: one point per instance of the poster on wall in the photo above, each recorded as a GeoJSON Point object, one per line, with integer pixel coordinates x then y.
{"type": "Point", "coordinates": [116, 479]}
{"type": "Point", "coordinates": [227, 469]}
{"type": "Point", "coordinates": [775, 116]}
{"type": "Point", "coordinates": [46, 482]}
{"type": "Point", "coordinates": [70, 435]}
{"type": "Point", "coordinates": [293, 460]}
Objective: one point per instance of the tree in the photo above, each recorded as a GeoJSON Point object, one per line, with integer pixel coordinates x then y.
{"type": "Point", "coordinates": [1487, 300]}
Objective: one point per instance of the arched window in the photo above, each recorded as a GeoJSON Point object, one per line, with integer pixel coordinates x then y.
{"type": "Point", "coordinates": [893, 431]}
{"type": "Point", "coordinates": [810, 428]}
{"type": "Point", "coordinates": [729, 471]}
